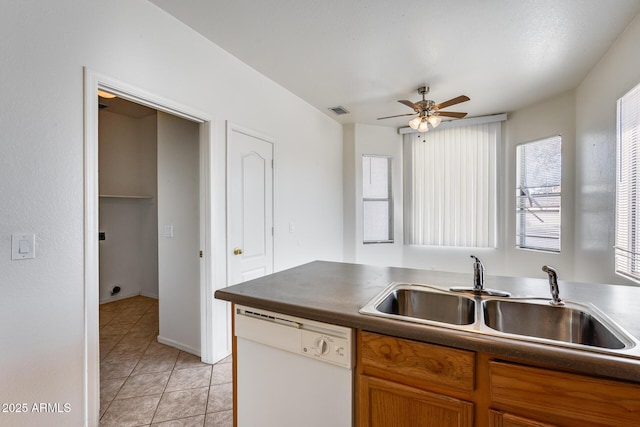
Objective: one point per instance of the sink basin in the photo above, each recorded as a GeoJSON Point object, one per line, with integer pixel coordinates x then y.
{"type": "Point", "coordinates": [421, 303]}
{"type": "Point", "coordinates": [573, 325]}
{"type": "Point", "coordinates": [569, 323]}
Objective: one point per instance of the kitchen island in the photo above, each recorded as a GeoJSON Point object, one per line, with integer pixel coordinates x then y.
{"type": "Point", "coordinates": [488, 384]}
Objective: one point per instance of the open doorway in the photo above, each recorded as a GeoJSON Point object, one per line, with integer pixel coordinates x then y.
{"type": "Point", "coordinates": [148, 175]}
{"type": "Point", "coordinates": [198, 304]}
{"type": "Point", "coordinates": [149, 215]}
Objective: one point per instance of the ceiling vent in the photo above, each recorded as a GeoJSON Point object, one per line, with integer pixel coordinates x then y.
{"type": "Point", "coordinates": [339, 110]}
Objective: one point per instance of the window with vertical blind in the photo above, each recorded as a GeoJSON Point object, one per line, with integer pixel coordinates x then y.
{"type": "Point", "coordinates": [450, 186]}
{"type": "Point", "coordinates": [627, 250]}
{"type": "Point", "coordinates": [377, 206]}
{"type": "Point", "coordinates": [538, 194]}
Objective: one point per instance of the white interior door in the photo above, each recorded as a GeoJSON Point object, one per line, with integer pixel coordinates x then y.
{"type": "Point", "coordinates": [249, 205]}
{"type": "Point", "coordinates": [179, 233]}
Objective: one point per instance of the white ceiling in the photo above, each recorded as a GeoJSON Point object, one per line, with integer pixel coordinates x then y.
{"type": "Point", "coordinates": [366, 54]}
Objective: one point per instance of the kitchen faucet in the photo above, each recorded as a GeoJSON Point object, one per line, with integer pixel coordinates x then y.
{"type": "Point", "coordinates": [478, 282]}
{"type": "Point", "coordinates": [478, 274]}
{"type": "Point", "coordinates": [553, 284]}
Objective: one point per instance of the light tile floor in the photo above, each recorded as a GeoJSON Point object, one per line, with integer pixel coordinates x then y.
{"type": "Point", "coordinates": [145, 383]}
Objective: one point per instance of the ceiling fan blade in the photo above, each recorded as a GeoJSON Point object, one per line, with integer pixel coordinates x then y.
{"type": "Point", "coordinates": [453, 101]}
{"type": "Point", "coordinates": [410, 104]}
{"type": "Point", "coordinates": [399, 115]}
{"type": "Point", "coordinates": [451, 114]}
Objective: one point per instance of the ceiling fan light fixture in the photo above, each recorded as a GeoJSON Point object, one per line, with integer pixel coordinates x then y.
{"type": "Point", "coordinates": [428, 112]}
{"type": "Point", "coordinates": [415, 122]}
{"type": "Point", "coordinates": [434, 120]}
{"type": "Point", "coordinates": [424, 125]}
{"type": "Point", "coordinates": [106, 95]}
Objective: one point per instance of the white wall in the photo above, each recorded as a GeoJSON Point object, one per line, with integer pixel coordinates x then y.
{"type": "Point", "coordinates": [586, 119]}
{"type": "Point", "coordinates": [616, 73]}
{"type": "Point", "coordinates": [148, 174]}
{"type": "Point", "coordinates": [547, 118]}
{"type": "Point", "coordinates": [45, 46]}
{"type": "Point", "coordinates": [179, 208]}
{"type": "Point", "coordinates": [374, 140]}
{"type": "Point", "coordinates": [539, 121]}
{"type": "Point", "coordinates": [552, 117]}
{"type": "Point", "coordinates": [350, 168]}
{"type": "Point", "coordinates": [127, 154]}
{"type": "Point", "coordinates": [307, 188]}
{"type": "Point", "coordinates": [127, 167]}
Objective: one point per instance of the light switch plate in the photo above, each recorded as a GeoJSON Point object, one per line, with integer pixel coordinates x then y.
{"type": "Point", "coordinates": [23, 246]}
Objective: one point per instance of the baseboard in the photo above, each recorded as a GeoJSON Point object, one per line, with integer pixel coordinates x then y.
{"type": "Point", "coordinates": [119, 296]}
{"type": "Point", "coordinates": [149, 295]}
{"type": "Point", "coordinates": [179, 345]}
{"type": "Point", "coordinates": [220, 356]}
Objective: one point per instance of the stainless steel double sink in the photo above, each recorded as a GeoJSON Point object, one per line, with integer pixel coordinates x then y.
{"type": "Point", "coordinates": [573, 324]}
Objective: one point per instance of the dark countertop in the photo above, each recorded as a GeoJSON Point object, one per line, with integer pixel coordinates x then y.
{"type": "Point", "coordinates": [334, 292]}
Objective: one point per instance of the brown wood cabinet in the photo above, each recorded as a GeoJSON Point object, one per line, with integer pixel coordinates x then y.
{"type": "Point", "coordinates": [501, 419]}
{"type": "Point", "coordinates": [561, 397]}
{"type": "Point", "coordinates": [405, 383]}
{"type": "Point", "coordinates": [392, 404]}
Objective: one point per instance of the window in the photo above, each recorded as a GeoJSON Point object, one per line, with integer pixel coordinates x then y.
{"type": "Point", "coordinates": [377, 206]}
{"type": "Point", "coordinates": [450, 186]}
{"type": "Point", "coordinates": [627, 250]}
{"type": "Point", "coordinates": [538, 192]}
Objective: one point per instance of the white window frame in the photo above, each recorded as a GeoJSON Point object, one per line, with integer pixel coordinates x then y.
{"type": "Point", "coordinates": [627, 239]}
{"type": "Point", "coordinates": [533, 204]}
{"type": "Point", "coordinates": [388, 200]}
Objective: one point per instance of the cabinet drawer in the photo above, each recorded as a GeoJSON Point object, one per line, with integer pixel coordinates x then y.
{"type": "Point", "coordinates": [551, 395]}
{"type": "Point", "coordinates": [500, 419]}
{"type": "Point", "coordinates": [422, 363]}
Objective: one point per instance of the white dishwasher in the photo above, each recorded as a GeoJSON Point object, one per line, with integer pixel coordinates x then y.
{"type": "Point", "coordinates": [292, 372]}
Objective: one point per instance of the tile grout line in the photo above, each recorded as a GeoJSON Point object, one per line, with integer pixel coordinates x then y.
{"type": "Point", "coordinates": [134, 368]}
{"type": "Point", "coordinates": [139, 358]}
{"type": "Point", "coordinates": [174, 369]}
{"type": "Point", "coordinates": [107, 355]}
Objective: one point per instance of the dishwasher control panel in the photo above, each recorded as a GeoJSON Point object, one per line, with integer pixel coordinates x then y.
{"type": "Point", "coordinates": [321, 341]}
{"type": "Point", "coordinates": [329, 348]}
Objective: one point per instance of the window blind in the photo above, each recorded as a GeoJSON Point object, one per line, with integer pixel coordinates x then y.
{"type": "Point", "coordinates": [450, 194]}
{"type": "Point", "coordinates": [377, 208]}
{"type": "Point", "coordinates": [538, 194]}
{"type": "Point", "coordinates": [627, 251]}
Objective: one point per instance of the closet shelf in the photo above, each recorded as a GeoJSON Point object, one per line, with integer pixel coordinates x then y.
{"type": "Point", "coordinates": [116, 196]}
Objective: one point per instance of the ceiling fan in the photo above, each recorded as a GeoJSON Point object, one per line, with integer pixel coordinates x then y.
{"type": "Point", "coordinates": [428, 111]}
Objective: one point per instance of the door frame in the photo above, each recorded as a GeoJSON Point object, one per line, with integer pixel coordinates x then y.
{"type": "Point", "coordinates": [93, 81]}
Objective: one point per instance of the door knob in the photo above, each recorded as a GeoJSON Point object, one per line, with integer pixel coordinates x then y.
{"type": "Point", "coordinates": [237, 251]}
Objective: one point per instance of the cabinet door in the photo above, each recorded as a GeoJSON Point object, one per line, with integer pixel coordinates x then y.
{"type": "Point", "coordinates": [565, 398]}
{"type": "Point", "coordinates": [387, 404]}
{"type": "Point", "coordinates": [501, 419]}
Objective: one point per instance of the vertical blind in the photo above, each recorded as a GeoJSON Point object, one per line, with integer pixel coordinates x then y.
{"type": "Point", "coordinates": [627, 252]}
{"type": "Point", "coordinates": [451, 191]}
{"type": "Point", "coordinates": [538, 194]}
